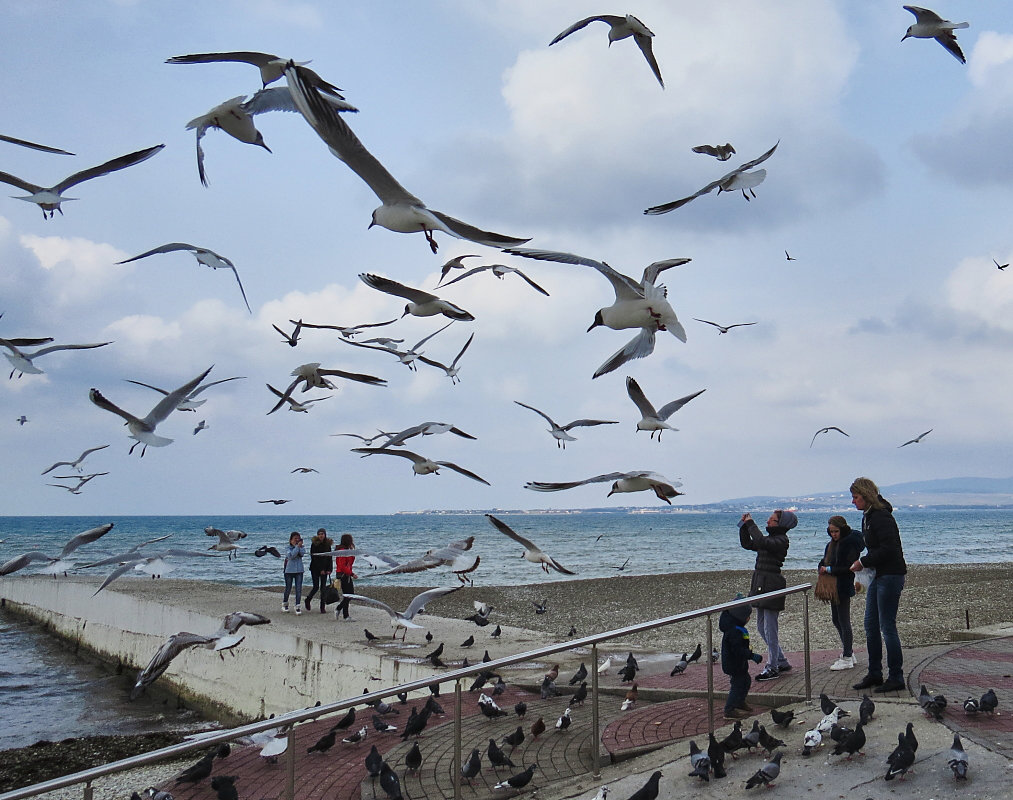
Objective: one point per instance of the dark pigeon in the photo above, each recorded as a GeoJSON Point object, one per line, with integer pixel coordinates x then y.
{"type": "Point", "coordinates": [695, 656]}
{"type": "Point", "coordinates": [649, 791]}
{"type": "Point", "coordinates": [989, 702]}
{"type": "Point", "coordinates": [324, 743]}
{"type": "Point", "coordinates": [515, 738]}
{"type": "Point", "coordinates": [900, 760]}
{"type": "Point", "coordinates": [852, 743]}
{"type": "Point", "coordinates": [521, 709]}
{"type": "Point", "coordinates": [579, 696]}
{"type": "Point", "coordinates": [345, 722]}
{"type": "Point", "coordinates": [497, 757]}
{"type": "Point", "coordinates": [224, 787]}
{"type": "Point", "coordinates": [413, 760]}
{"type": "Point", "coordinates": [374, 763]}
{"type": "Point", "coordinates": [782, 718]}
{"type": "Point", "coordinates": [768, 742]}
{"type": "Point", "coordinates": [389, 782]}
{"type": "Point", "coordinates": [866, 709]}
{"type": "Point", "coordinates": [468, 642]}
{"type": "Point", "coordinates": [716, 754]}
{"type": "Point", "coordinates": [579, 675]}
{"type": "Point", "coordinates": [472, 766]}
{"type": "Point", "coordinates": [518, 781]}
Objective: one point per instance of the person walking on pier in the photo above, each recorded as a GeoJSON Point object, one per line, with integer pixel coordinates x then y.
{"type": "Point", "coordinates": [343, 568]}
{"type": "Point", "coordinates": [320, 567]}
{"type": "Point", "coordinates": [294, 571]}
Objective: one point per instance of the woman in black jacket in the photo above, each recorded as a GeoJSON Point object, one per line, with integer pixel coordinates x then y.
{"type": "Point", "coordinates": [843, 549]}
{"type": "Point", "coordinates": [886, 556]}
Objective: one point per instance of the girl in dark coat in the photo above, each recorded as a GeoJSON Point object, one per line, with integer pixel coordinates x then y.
{"type": "Point", "coordinates": [843, 549]}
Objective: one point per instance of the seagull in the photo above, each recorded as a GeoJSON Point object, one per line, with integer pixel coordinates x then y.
{"type": "Point", "coordinates": [304, 470]}
{"type": "Point", "coordinates": [302, 406]}
{"type": "Point", "coordinates": [403, 619]}
{"type": "Point", "coordinates": [226, 544]}
{"type": "Point", "coordinates": [916, 440]}
{"type": "Point", "coordinates": [348, 331]}
{"type": "Point", "coordinates": [420, 464]}
{"type": "Point", "coordinates": [400, 211]}
{"type": "Point", "coordinates": [722, 152]}
{"type": "Point", "coordinates": [622, 28]}
{"type": "Point", "coordinates": [406, 357]}
{"type": "Point", "coordinates": [724, 328]}
{"type": "Point", "coordinates": [32, 145]}
{"type": "Point", "coordinates": [455, 555]}
{"type": "Point", "coordinates": [188, 403]}
{"type": "Point", "coordinates": [532, 552]}
{"type": "Point", "coordinates": [788, 257]}
{"type": "Point", "coordinates": [21, 421]}
{"type": "Point", "coordinates": [637, 305]}
{"type": "Point", "coordinates": [499, 270]}
{"type": "Point", "coordinates": [452, 370]}
{"type": "Point", "coordinates": [81, 481]}
{"type": "Point", "coordinates": [638, 481]}
{"type": "Point", "coordinates": [235, 117]}
{"type": "Point", "coordinates": [929, 25]}
{"type": "Point", "coordinates": [56, 564]}
{"type": "Point", "coordinates": [560, 432]}
{"type": "Point", "coordinates": [23, 363]}
{"type": "Point", "coordinates": [76, 463]}
{"type": "Point", "coordinates": [271, 67]}
{"type": "Point", "coordinates": [143, 430]}
{"type": "Point", "coordinates": [291, 339]}
{"type": "Point", "coordinates": [738, 178]}
{"type": "Point", "coordinates": [275, 502]}
{"type": "Point", "coordinates": [654, 420]}
{"type": "Point", "coordinates": [1000, 266]}
{"type": "Point", "coordinates": [231, 535]}
{"type": "Point", "coordinates": [154, 564]}
{"type": "Point", "coordinates": [826, 430]}
{"type": "Point", "coordinates": [457, 262]}
{"type": "Point", "coordinates": [209, 258]}
{"type": "Point", "coordinates": [133, 554]}
{"type": "Point", "coordinates": [422, 429]}
{"type": "Point", "coordinates": [311, 375]}
{"type": "Point", "coordinates": [420, 303]}
{"type": "Point", "coordinates": [49, 198]}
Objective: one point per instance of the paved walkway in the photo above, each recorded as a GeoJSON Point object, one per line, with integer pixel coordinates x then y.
{"type": "Point", "coordinates": [669, 709]}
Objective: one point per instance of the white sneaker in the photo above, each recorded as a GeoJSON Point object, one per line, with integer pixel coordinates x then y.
{"type": "Point", "coordinates": [843, 663]}
{"type": "Point", "coordinates": [285, 608]}
{"type": "Point", "coordinates": [298, 610]}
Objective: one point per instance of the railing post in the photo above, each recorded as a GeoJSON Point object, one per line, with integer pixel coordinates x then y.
{"type": "Point", "coordinates": [88, 791]}
{"type": "Point", "coordinates": [595, 732]}
{"type": "Point", "coordinates": [290, 752]}
{"type": "Point", "coordinates": [457, 739]}
{"type": "Point", "coordinates": [710, 674]}
{"type": "Point", "coordinates": [808, 661]}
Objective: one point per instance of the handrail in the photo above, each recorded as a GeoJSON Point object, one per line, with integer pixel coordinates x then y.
{"type": "Point", "coordinates": [293, 717]}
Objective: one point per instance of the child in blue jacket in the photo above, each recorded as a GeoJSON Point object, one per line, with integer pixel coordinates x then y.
{"type": "Point", "coordinates": [735, 657]}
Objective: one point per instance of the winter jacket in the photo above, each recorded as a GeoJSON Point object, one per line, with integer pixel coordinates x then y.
{"type": "Point", "coordinates": [771, 551]}
{"type": "Point", "coordinates": [320, 564]}
{"type": "Point", "coordinates": [885, 552]}
{"type": "Point", "coordinates": [293, 559]}
{"type": "Point", "coordinates": [838, 558]}
{"type": "Point", "coordinates": [343, 564]}
{"type": "Point", "coordinates": [735, 650]}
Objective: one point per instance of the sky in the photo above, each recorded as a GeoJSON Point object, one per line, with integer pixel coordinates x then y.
{"type": "Point", "coordinates": [890, 188]}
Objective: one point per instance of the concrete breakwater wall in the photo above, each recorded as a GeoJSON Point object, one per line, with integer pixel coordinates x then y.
{"type": "Point", "coordinates": [289, 664]}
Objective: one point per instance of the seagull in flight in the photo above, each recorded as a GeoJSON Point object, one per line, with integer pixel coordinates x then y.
{"type": "Point", "coordinates": [722, 152]}
{"type": "Point", "coordinates": [456, 555]}
{"type": "Point", "coordinates": [499, 270]}
{"type": "Point", "coordinates": [56, 564]}
{"type": "Point", "coordinates": [347, 331]}
{"type": "Point", "coordinates": [406, 357]}
{"type": "Point", "coordinates": [420, 303]}
{"type": "Point", "coordinates": [739, 178]}
{"type": "Point", "coordinates": [999, 266]}
{"type": "Point", "coordinates": [652, 419]}
{"type": "Point", "coordinates": [640, 304]}
{"type": "Point", "coordinates": [312, 376]}
{"type": "Point", "coordinates": [142, 430]}
{"type": "Point", "coordinates": [291, 339]}
{"type": "Point", "coordinates": [76, 463]}
{"type": "Point", "coordinates": [23, 363]}
{"type": "Point", "coordinates": [638, 481]}
{"type": "Point", "coordinates": [304, 470]}
{"type": "Point", "coordinates": [420, 464]}
{"type": "Point", "coordinates": [400, 211]}
{"type": "Point", "coordinates": [188, 403]}
{"type": "Point", "coordinates": [404, 619]}
{"type": "Point", "coordinates": [622, 28]}
{"type": "Point", "coordinates": [275, 502]}
{"type": "Point", "coordinates": [916, 440]}
{"type": "Point", "coordinates": [49, 198]}
{"type": "Point", "coordinates": [81, 481]}
{"type": "Point", "coordinates": [929, 25]}
{"type": "Point", "coordinates": [532, 552]}
{"type": "Point", "coordinates": [724, 328]}
{"type": "Point", "coordinates": [271, 67]}
{"type": "Point", "coordinates": [21, 421]}
{"type": "Point", "coordinates": [453, 369]}
{"type": "Point", "coordinates": [561, 432]}
{"type": "Point", "coordinates": [825, 430]}
{"type": "Point", "coordinates": [209, 258]}
{"type": "Point", "coordinates": [32, 145]}
{"type": "Point", "coordinates": [422, 429]}
{"type": "Point", "coordinates": [300, 406]}
{"type": "Point", "coordinates": [457, 262]}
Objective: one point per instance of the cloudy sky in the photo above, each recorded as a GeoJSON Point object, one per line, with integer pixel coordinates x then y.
{"type": "Point", "coordinates": [891, 189]}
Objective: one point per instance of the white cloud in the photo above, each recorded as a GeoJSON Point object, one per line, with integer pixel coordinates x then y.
{"type": "Point", "coordinates": [78, 270]}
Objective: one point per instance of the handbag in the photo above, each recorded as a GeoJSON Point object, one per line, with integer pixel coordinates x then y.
{"type": "Point", "coordinates": [826, 589]}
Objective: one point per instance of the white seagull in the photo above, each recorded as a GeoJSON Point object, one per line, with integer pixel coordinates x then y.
{"type": "Point", "coordinates": [532, 552]}
{"type": "Point", "coordinates": [638, 304]}
{"type": "Point", "coordinates": [638, 481]}
{"type": "Point", "coordinates": [49, 198]}
{"type": "Point", "coordinates": [300, 406]}
{"type": "Point", "coordinates": [420, 303]}
{"type": "Point", "coordinates": [225, 544]}
{"type": "Point", "coordinates": [81, 481]}
{"type": "Point", "coordinates": [738, 178]}
{"type": "Point", "coordinates": [561, 432]}
{"type": "Point", "coordinates": [347, 331]}
{"type": "Point", "coordinates": [456, 555]}
{"type": "Point", "coordinates": [722, 152]}
{"type": "Point", "coordinates": [452, 370]}
{"type": "Point", "coordinates": [142, 430]}
{"type": "Point", "coordinates": [24, 363]}
{"type": "Point", "coordinates": [916, 440]}
{"type": "Point", "coordinates": [420, 464]}
{"type": "Point", "coordinates": [57, 563]}
{"type": "Point", "coordinates": [271, 67]}
{"type": "Point", "coordinates": [499, 270]}
{"type": "Point", "coordinates": [457, 262]}
{"type": "Point", "coordinates": [422, 429]}
{"type": "Point", "coordinates": [76, 463]}
{"type": "Point", "coordinates": [32, 145]}
{"type": "Point", "coordinates": [188, 403]}
{"type": "Point", "coordinates": [929, 25]}
{"type": "Point", "coordinates": [622, 28]}
{"type": "Point", "coordinates": [652, 419]}
{"type": "Point", "coordinates": [403, 619]}
{"type": "Point", "coordinates": [724, 328]}
{"type": "Point", "coordinates": [406, 357]}
{"type": "Point", "coordinates": [400, 211]}
{"type": "Point", "coordinates": [311, 375]}
{"type": "Point", "coordinates": [154, 564]}
{"type": "Point", "coordinates": [209, 258]}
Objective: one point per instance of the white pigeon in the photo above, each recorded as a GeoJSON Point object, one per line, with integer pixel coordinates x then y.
{"type": "Point", "coordinates": [637, 481]}
{"type": "Point", "coordinates": [532, 552]}
{"type": "Point", "coordinates": [622, 28]}
{"type": "Point", "coordinates": [23, 363]}
{"type": "Point", "coordinates": [929, 25]}
{"type": "Point", "coordinates": [57, 563]}
{"type": "Point", "coordinates": [811, 741]}
{"type": "Point", "coordinates": [209, 258]}
{"type": "Point", "coordinates": [651, 419]}
{"type": "Point", "coordinates": [420, 464]}
{"type": "Point", "coordinates": [561, 433]}
{"type": "Point", "coordinates": [829, 720]}
{"type": "Point", "coordinates": [404, 619]}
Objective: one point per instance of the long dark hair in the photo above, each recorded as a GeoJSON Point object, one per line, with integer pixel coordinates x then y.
{"type": "Point", "coordinates": [347, 543]}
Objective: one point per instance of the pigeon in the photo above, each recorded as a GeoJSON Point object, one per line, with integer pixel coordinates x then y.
{"type": "Point", "coordinates": [722, 152]}
{"type": "Point", "coordinates": [381, 726]}
{"type": "Point", "coordinates": [416, 723]}
{"type": "Point", "coordinates": [733, 741]}
{"type": "Point", "coordinates": [537, 728]}
{"type": "Point", "coordinates": [518, 781]}
{"type": "Point", "coordinates": [515, 738]}
{"type": "Point", "coordinates": [266, 549]}
{"type": "Point", "coordinates": [225, 787]}
{"type": "Point", "coordinates": [700, 762]}
{"type": "Point", "coordinates": [932, 705]}
{"type": "Point", "coordinates": [621, 28]}
{"type": "Point", "coordinates": [579, 696]}
{"type": "Point", "coordinates": [413, 760]}
{"type": "Point", "coordinates": [829, 720]}
{"type": "Point", "coordinates": [496, 633]}
{"type": "Point", "coordinates": [628, 672]}
{"type": "Point", "coordinates": [752, 739]}
{"type": "Point", "coordinates": [489, 708]}
{"type": "Point", "coordinates": [579, 675]}
{"type": "Point", "coordinates": [782, 718]}
{"type": "Point", "coordinates": [541, 608]}
{"type": "Point", "coordinates": [971, 706]}
{"type": "Point", "coordinates": [472, 766]}
{"type": "Point", "coordinates": [497, 757]}
{"type": "Point", "coordinates": [989, 702]}
{"type": "Point", "coordinates": [901, 759]}
{"type": "Point", "coordinates": [909, 735]}
{"type": "Point", "coordinates": [356, 737]}
{"type": "Point", "coordinates": [839, 732]}
{"type": "Point", "coordinates": [768, 742]}
{"type": "Point", "coordinates": [468, 642]}
{"type": "Point", "coordinates": [811, 741]}
{"type": "Point", "coordinates": [680, 666]}
{"type": "Point", "coordinates": [631, 698]}
{"type": "Point", "coordinates": [564, 720]}
{"type": "Point", "coordinates": [374, 763]}
{"type": "Point", "coordinates": [649, 791]}
{"type": "Point", "coordinates": [548, 688]}
{"type": "Point", "coordinates": [852, 743]}
{"type": "Point", "coordinates": [553, 672]}
{"type": "Point", "coordinates": [345, 722]}
{"type": "Point", "coordinates": [499, 687]}
{"type": "Point", "coordinates": [435, 653]}
{"type": "Point", "coordinates": [958, 759]}
{"type": "Point", "coordinates": [521, 709]}
{"type": "Point", "coordinates": [199, 771]}
{"type": "Point", "coordinates": [695, 655]}
{"type": "Point", "coordinates": [603, 792]}
{"type": "Point", "coordinates": [929, 25]}
{"type": "Point", "coordinates": [389, 782]}
{"type": "Point", "coordinates": [768, 773]}
{"type": "Point", "coordinates": [573, 631]}
{"type": "Point", "coordinates": [716, 754]}
{"type": "Point", "coordinates": [827, 706]}
{"type": "Point", "coordinates": [370, 637]}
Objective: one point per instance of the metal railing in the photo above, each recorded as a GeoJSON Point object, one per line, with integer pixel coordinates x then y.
{"type": "Point", "coordinates": [88, 776]}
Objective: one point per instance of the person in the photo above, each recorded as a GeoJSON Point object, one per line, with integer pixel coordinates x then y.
{"type": "Point", "coordinates": [884, 554]}
{"type": "Point", "coordinates": [294, 571]}
{"type": "Point", "coordinates": [736, 653]}
{"type": "Point", "coordinates": [771, 551]}
{"type": "Point", "coordinates": [842, 550]}
{"type": "Point", "coordinates": [321, 567]}
{"type": "Point", "coordinates": [343, 570]}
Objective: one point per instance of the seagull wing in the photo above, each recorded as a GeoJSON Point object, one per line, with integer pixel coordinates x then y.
{"type": "Point", "coordinates": [241, 289]}
{"type": "Point", "coordinates": [469, 273]}
{"type": "Point", "coordinates": [147, 386]}
{"type": "Point", "coordinates": [588, 423]}
{"type": "Point", "coordinates": [453, 364]}
{"type": "Point", "coordinates": [640, 346]}
{"type": "Point", "coordinates": [234, 621]}
{"type": "Point", "coordinates": [530, 282]}
{"type": "Point", "coordinates": [279, 98]}
{"type": "Point", "coordinates": [99, 399]}
{"type": "Point", "coordinates": [13, 180]}
{"type": "Point", "coordinates": [462, 230]}
{"type": "Point", "coordinates": [924, 16]}
{"type": "Point", "coordinates": [467, 473]}
{"type": "Point", "coordinates": [120, 570]}
{"type": "Point", "coordinates": [644, 43]}
{"type": "Point", "coordinates": [540, 486]}
{"type": "Point", "coordinates": [34, 146]}
{"type": "Point", "coordinates": [425, 339]}
{"type": "Point", "coordinates": [393, 287]}
{"type": "Point", "coordinates": [424, 597]}
{"type": "Point", "coordinates": [200, 389]}
{"type": "Point", "coordinates": [611, 19]}
{"type": "Point", "coordinates": [503, 528]}
{"type": "Point", "coordinates": [22, 561]}
{"type": "Point", "coordinates": [122, 162]}
{"type": "Point", "coordinates": [651, 271]}
{"type": "Point", "coordinates": [54, 347]}
{"type": "Point", "coordinates": [168, 404]}
{"type": "Point", "coordinates": [639, 398]}
{"type": "Point", "coordinates": [171, 247]}
{"type": "Point", "coordinates": [368, 451]}
{"type": "Point", "coordinates": [369, 601]}
{"type": "Point", "coordinates": [625, 287]}
{"type": "Point", "coordinates": [670, 408]}
{"type": "Point", "coordinates": [542, 414]}
{"type": "Point", "coordinates": [245, 56]}
{"type": "Point", "coordinates": [85, 537]}
{"type": "Point", "coordinates": [159, 663]}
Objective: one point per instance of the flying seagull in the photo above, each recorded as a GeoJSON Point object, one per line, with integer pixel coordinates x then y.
{"type": "Point", "coordinates": [738, 178]}
{"type": "Point", "coordinates": [722, 152]}
{"type": "Point", "coordinates": [404, 619]}
{"type": "Point", "coordinates": [291, 339]}
{"type": "Point", "coordinates": [532, 552]}
{"type": "Point", "coordinates": [271, 67]}
{"type": "Point", "coordinates": [452, 370]}
{"type": "Point", "coordinates": [499, 270]}
{"type": "Point", "coordinates": [1000, 266]}
{"type": "Point", "coordinates": [312, 376]}
{"type": "Point", "coordinates": [188, 403]}
{"type": "Point", "coordinates": [400, 211]}
{"type": "Point", "coordinates": [275, 502]}
{"type": "Point", "coordinates": [81, 481]}
{"type": "Point", "coordinates": [348, 331]}
{"type": "Point", "coordinates": [456, 555]}
{"type": "Point", "coordinates": [209, 258]}
{"type": "Point", "coordinates": [640, 304]}
{"type": "Point", "coordinates": [651, 419]}
{"type": "Point", "coordinates": [302, 406]}
{"type": "Point", "coordinates": [825, 430]}
{"type": "Point", "coordinates": [32, 145]}
{"type": "Point", "coordinates": [916, 440]}
{"type": "Point", "coordinates": [457, 262]}
{"type": "Point", "coordinates": [420, 464]}
{"type": "Point", "coordinates": [622, 28]}
{"type": "Point", "coordinates": [24, 363]}
{"type": "Point", "coordinates": [420, 303]}
{"type": "Point", "coordinates": [154, 564]}
{"type": "Point", "coordinates": [422, 429]}
{"type": "Point", "coordinates": [929, 25]}
{"type": "Point", "coordinates": [76, 463]}
{"type": "Point", "coordinates": [638, 481]}
{"type": "Point", "coordinates": [142, 430]}
{"type": "Point", "coordinates": [724, 328]}
{"type": "Point", "coordinates": [49, 198]}
{"type": "Point", "coordinates": [56, 564]}
{"type": "Point", "coordinates": [561, 432]}
{"type": "Point", "coordinates": [304, 470]}
{"type": "Point", "coordinates": [406, 357]}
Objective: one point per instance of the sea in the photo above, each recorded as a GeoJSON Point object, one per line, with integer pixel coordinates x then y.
{"type": "Point", "coordinates": [48, 692]}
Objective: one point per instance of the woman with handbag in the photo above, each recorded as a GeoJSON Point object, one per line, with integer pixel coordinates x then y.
{"type": "Point", "coordinates": [344, 574]}
{"type": "Point", "coordinates": [836, 584]}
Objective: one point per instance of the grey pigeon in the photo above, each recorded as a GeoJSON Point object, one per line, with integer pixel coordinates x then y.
{"type": "Point", "coordinates": [680, 665]}
{"type": "Point", "coordinates": [700, 762]}
{"type": "Point", "coordinates": [958, 759]}
{"type": "Point", "coordinates": [752, 739]}
{"type": "Point", "coordinates": [932, 705]}
{"type": "Point", "coordinates": [472, 766]}
{"type": "Point", "coordinates": [768, 773]}
{"type": "Point", "coordinates": [548, 688]}
{"type": "Point", "coordinates": [649, 791]}
{"type": "Point", "coordinates": [499, 687]}
{"type": "Point", "coordinates": [989, 702]}
{"type": "Point", "coordinates": [496, 633]}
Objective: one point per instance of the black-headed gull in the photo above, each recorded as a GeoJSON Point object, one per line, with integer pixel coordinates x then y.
{"type": "Point", "coordinates": [638, 304]}
{"type": "Point", "coordinates": [291, 339]}
{"type": "Point", "coordinates": [422, 429]}
{"type": "Point", "coordinates": [76, 463]}
{"type": "Point", "coordinates": [738, 178]}
{"type": "Point", "coordinates": [420, 303]}
{"type": "Point", "coordinates": [499, 270]}
{"type": "Point", "coordinates": [456, 555]}
{"type": "Point", "coordinates": [81, 481]}
{"type": "Point", "coordinates": [271, 67]}
{"type": "Point", "coordinates": [406, 357]}
{"type": "Point", "coordinates": [225, 544]}
{"type": "Point", "coordinates": [404, 619]}
{"type": "Point", "coordinates": [188, 403]}
{"type": "Point", "coordinates": [722, 152]}
{"type": "Point", "coordinates": [154, 564]}
{"type": "Point", "coordinates": [56, 563]}
{"type": "Point", "coordinates": [23, 363]}
{"type": "Point", "coordinates": [401, 211]}
{"type": "Point", "coordinates": [724, 328]}
{"type": "Point", "coordinates": [532, 552]}
{"type": "Point", "coordinates": [825, 430]}
{"type": "Point", "coordinates": [561, 432]}
{"type": "Point", "coordinates": [142, 430]}
{"type": "Point", "coordinates": [311, 375]}
{"type": "Point", "coordinates": [638, 481]}
{"type": "Point", "coordinates": [347, 331]}
{"type": "Point", "coordinates": [457, 262]}
{"type": "Point", "coordinates": [929, 25]}
{"type": "Point", "coordinates": [652, 419]}
{"type": "Point", "coordinates": [452, 369]}
{"type": "Point", "coordinates": [917, 439]}
{"type": "Point", "coordinates": [420, 464]}
{"type": "Point", "coordinates": [622, 28]}
{"type": "Point", "coordinates": [48, 198]}
{"type": "Point", "coordinates": [299, 406]}
{"type": "Point", "coordinates": [209, 258]}
{"type": "Point", "coordinates": [33, 146]}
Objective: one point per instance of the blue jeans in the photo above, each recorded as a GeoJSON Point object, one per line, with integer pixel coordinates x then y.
{"type": "Point", "coordinates": [881, 602]}
{"type": "Point", "coordinates": [738, 688]}
{"type": "Point", "coordinates": [290, 578]}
